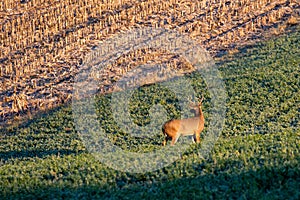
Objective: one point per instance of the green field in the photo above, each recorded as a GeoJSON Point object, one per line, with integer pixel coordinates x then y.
{"type": "Point", "coordinates": [256, 157]}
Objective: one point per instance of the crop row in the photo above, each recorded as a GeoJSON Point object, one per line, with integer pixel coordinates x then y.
{"type": "Point", "coordinates": [35, 38]}
{"type": "Point", "coordinates": [54, 41]}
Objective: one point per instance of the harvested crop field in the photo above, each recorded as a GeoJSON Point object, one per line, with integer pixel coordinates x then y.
{"type": "Point", "coordinates": [43, 42]}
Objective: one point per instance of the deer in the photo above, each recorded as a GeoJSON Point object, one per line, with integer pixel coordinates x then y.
{"type": "Point", "coordinates": [174, 128]}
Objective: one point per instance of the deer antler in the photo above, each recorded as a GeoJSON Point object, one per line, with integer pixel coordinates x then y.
{"type": "Point", "coordinates": [190, 101]}
{"type": "Point", "coordinates": [202, 98]}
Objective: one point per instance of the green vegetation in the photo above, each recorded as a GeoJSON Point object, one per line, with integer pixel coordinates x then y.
{"type": "Point", "coordinates": [257, 155]}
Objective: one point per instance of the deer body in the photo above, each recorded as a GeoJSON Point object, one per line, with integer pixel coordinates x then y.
{"type": "Point", "coordinates": [174, 128]}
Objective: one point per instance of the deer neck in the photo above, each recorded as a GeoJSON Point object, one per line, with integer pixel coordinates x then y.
{"type": "Point", "coordinates": [200, 114]}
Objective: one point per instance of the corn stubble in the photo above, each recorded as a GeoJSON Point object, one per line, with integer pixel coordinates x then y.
{"type": "Point", "coordinates": [43, 42]}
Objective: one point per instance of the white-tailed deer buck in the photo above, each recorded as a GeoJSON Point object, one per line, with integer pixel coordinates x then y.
{"type": "Point", "coordinates": [174, 128]}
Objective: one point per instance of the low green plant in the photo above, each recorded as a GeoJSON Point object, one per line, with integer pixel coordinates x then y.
{"type": "Point", "coordinates": [257, 155]}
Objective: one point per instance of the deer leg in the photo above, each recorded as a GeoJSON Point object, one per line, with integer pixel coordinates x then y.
{"type": "Point", "coordinates": [193, 138]}
{"type": "Point", "coordinates": [197, 136]}
{"type": "Point", "coordinates": [164, 142]}
{"type": "Point", "coordinates": [174, 140]}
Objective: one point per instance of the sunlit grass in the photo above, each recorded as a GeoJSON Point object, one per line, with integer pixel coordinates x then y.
{"type": "Point", "coordinates": [257, 155]}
